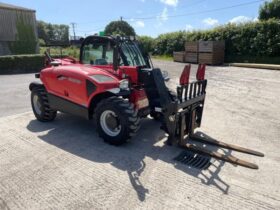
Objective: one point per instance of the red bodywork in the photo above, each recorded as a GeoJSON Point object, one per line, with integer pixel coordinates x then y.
{"type": "Point", "coordinates": [68, 81]}
{"type": "Point", "coordinates": [200, 74]}
{"type": "Point", "coordinates": [185, 76]}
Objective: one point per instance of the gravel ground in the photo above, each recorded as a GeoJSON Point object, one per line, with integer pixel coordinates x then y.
{"type": "Point", "coordinates": [65, 165]}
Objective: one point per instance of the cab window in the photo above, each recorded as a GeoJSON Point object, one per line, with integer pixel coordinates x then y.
{"type": "Point", "coordinates": [98, 53]}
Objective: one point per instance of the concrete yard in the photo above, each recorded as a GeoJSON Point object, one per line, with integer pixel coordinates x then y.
{"type": "Point", "coordinates": [65, 165]}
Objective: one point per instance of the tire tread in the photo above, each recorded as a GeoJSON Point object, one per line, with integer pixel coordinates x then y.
{"type": "Point", "coordinates": [47, 113]}
{"type": "Point", "coordinates": [128, 111]}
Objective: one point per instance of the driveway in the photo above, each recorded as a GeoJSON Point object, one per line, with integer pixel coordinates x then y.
{"type": "Point", "coordinates": [65, 165]}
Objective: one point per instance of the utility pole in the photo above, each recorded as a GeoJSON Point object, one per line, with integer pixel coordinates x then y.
{"type": "Point", "coordinates": [73, 27]}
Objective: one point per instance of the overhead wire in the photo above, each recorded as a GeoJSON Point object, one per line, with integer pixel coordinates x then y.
{"type": "Point", "coordinates": [197, 13]}
{"type": "Point", "coordinates": [172, 16]}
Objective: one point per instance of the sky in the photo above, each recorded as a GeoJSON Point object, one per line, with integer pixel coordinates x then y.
{"type": "Point", "coordinates": [148, 17]}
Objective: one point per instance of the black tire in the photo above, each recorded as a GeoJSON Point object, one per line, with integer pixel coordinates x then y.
{"type": "Point", "coordinates": [43, 112]}
{"type": "Point", "coordinates": [126, 116]}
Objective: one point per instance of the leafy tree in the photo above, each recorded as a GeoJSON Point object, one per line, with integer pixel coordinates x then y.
{"type": "Point", "coordinates": [42, 32]}
{"type": "Point", "coordinates": [270, 10]}
{"type": "Point", "coordinates": [51, 33]}
{"type": "Point", "coordinates": [119, 27]}
{"type": "Point", "coordinates": [61, 32]}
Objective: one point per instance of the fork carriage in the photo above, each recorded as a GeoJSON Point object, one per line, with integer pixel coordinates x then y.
{"type": "Point", "coordinates": [181, 116]}
{"type": "Point", "coordinates": [191, 99]}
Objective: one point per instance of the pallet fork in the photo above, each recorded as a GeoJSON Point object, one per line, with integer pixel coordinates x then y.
{"type": "Point", "coordinates": [182, 116]}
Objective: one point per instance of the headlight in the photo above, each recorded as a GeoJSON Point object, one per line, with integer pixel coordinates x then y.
{"type": "Point", "coordinates": [124, 84]}
{"type": "Point", "coordinates": [101, 78]}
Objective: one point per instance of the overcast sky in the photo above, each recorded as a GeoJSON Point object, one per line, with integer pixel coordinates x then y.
{"type": "Point", "coordinates": [148, 17]}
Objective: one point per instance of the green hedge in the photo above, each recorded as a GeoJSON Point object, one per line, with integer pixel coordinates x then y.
{"type": "Point", "coordinates": [17, 64]}
{"type": "Point", "coordinates": [257, 40]}
{"type": "Point", "coordinates": [253, 59]}
{"type": "Point", "coordinates": [21, 63]}
{"type": "Point", "coordinates": [166, 44]}
{"type": "Point", "coordinates": [147, 43]}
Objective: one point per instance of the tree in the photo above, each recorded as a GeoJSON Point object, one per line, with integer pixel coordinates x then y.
{"type": "Point", "coordinates": [270, 10]}
{"type": "Point", "coordinates": [61, 32]}
{"type": "Point", "coordinates": [41, 28]}
{"type": "Point", "coordinates": [119, 27]}
{"type": "Point", "coordinates": [51, 33]}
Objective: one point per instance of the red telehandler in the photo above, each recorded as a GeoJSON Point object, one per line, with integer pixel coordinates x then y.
{"type": "Point", "coordinates": [115, 83]}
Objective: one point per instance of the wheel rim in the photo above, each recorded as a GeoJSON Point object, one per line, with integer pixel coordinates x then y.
{"type": "Point", "coordinates": [37, 104]}
{"type": "Point", "coordinates": [110, 123]}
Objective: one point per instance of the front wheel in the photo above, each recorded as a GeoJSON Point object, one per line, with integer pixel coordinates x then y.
{"type": "Point", "coordinates": [40, 105]}
{"type": "Point", "coordinates": [117, 120]}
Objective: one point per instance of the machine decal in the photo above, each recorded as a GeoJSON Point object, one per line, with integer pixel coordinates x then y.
{"type": "Point", "coordinates": [77, 81]}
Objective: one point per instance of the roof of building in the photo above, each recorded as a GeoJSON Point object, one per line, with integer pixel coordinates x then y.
{"type": "Point", "coordinates": [13, 7]}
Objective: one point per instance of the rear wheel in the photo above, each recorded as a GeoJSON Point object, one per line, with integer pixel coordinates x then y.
{"type": "Point", "coordinates": [117, 120]}
{"type": "Point", "coordinates": [40, 105]}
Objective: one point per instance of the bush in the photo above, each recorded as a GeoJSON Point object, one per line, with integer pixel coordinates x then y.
{"type": "Point", "coordinates": [42, 42]}
{"type": "Point", "coordinates": [21, 63]}
{"type": "Point", "coordinates": [72, 51]}
{"type": "Point", "coordinates": [165, 44]}
{"type": "Point", "coordinates": [147, 43]}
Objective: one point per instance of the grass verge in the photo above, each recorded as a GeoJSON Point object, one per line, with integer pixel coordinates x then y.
{"type": "Point", "coordinates": [163, 57]}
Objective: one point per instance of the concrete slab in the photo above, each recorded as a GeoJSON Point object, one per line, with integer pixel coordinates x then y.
{"type": "Point", "coordinates": [65, 165]}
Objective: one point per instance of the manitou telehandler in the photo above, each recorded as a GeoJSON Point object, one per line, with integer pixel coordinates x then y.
{"type": "Point", "coordinates": [115, 83]}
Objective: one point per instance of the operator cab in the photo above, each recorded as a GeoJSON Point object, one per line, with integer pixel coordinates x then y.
{"type": "Point", "coordinates": [112, 51]}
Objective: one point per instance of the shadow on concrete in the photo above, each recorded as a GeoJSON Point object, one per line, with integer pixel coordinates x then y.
{"type": "Point", "coordinates": [78, 136]}
{"type": "Point", "coordinates": [3, 205]}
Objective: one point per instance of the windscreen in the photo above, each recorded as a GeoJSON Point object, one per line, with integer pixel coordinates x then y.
{"type": "Point", "coordinates": [132, 54]}
{"type": "Point", "coordinates": [98, 52]}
